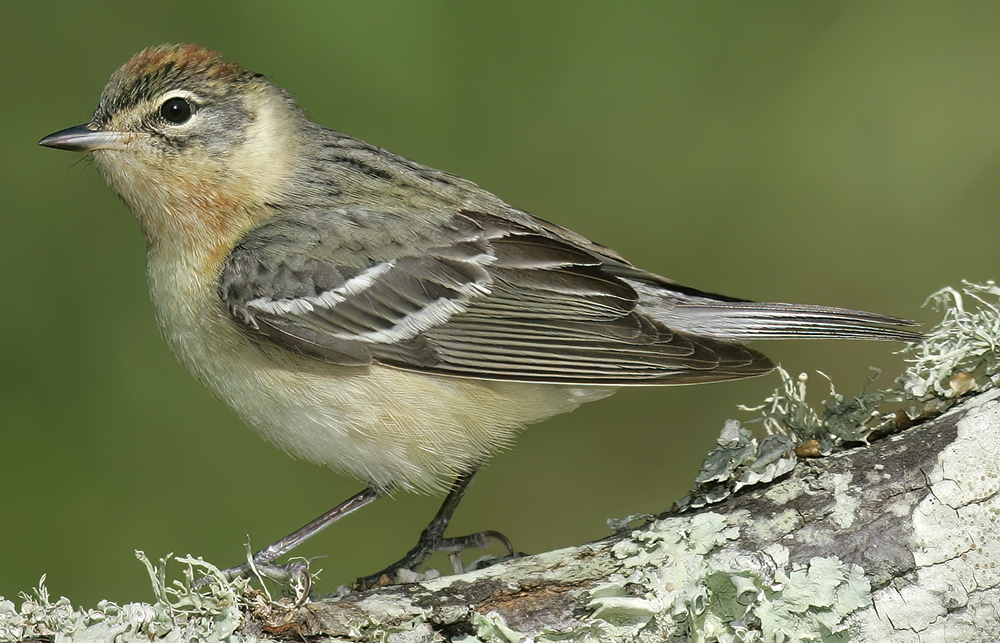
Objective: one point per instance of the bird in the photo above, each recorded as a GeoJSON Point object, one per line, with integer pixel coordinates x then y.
{"type": "Point", "coordinates": [393, 322]}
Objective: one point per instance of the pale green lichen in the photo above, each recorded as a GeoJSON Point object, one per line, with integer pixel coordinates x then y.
{"type": "Point", "coordinates": [491, 627]}
{"type": "Point", "coordinates": [967, 341]}
{"type": "Point", "coordinates": [776, 526]}
{"type": "Point", "coordinates": [842, 420]}
{"type": "Point", "coordinates": [713, 593]}
{"type": "Point", "coordinates": [739, 460]}
{"type": "Point", "coordinates": [181, 612]}
{"type": "Point", "coordinates": [668, 566]}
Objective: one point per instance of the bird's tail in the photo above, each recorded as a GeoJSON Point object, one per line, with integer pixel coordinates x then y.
{"type": "Point", "coordinates": [746, 321]}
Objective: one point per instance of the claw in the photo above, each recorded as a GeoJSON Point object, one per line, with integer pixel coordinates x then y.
{"type": "Point", "coordinates": [503, 540]}
{"type": "Point", "coordinates": [429, 544]}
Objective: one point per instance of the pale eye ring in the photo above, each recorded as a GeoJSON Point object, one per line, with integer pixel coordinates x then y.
{"type": "Point", "coordinates": [176, 110]}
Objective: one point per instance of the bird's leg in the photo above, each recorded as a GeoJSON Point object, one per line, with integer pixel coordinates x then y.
{"type": "Point", "coordinates": [263, 560]}
{"type": "Point", "coordinates": [432, 538]}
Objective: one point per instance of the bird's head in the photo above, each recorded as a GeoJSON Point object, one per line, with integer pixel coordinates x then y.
{"type": "Point", "coordinates": [193, 144]}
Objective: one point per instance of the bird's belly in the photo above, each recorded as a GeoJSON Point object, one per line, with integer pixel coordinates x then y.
{"type": "Point", "coordinates": [392, 427]}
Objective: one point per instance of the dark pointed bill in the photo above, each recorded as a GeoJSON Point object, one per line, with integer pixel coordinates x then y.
{"type": "Point", "coordinates": [83, 138]}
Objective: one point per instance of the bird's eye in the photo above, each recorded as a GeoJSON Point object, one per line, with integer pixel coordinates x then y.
{"type": "Point", "coordinates": [176, 111]}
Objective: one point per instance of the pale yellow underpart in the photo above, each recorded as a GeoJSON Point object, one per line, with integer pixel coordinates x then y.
{"type": "Point", "coordinates": [382, 425]}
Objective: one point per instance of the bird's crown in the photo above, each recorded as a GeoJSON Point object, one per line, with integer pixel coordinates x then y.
{"type": "Point", "coordinates": [153, 72]}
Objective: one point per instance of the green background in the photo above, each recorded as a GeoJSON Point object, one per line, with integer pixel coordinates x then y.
{"type": "Point", "coordinates": [840, 153]}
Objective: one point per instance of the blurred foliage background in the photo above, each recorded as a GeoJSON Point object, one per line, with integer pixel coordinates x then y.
{"type": "Point", "coordinates": [844, 153]}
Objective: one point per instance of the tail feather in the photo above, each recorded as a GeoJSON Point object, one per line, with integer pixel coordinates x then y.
{"type": "Point", "coordinates": [746, 321]}
{"type": "Point", "coordinates": [702, 313]}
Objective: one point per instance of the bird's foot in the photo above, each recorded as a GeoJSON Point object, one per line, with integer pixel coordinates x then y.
{"type": "Point", "coordinates": [294, 577]}
{"type": "Point", "coordinates": [430, 543]}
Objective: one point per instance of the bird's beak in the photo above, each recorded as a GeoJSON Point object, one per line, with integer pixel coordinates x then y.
{"type": "Point", "coordinates": [84, 138]}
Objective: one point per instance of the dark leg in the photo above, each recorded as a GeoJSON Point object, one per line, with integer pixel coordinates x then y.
{"type": "Point", "coordinates": [432, 538]}
{"type": "Point", "coordinates": [264, 558]}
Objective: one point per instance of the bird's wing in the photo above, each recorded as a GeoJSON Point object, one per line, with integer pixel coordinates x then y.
{"type": "Point", "coordinates": [475, 295]}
